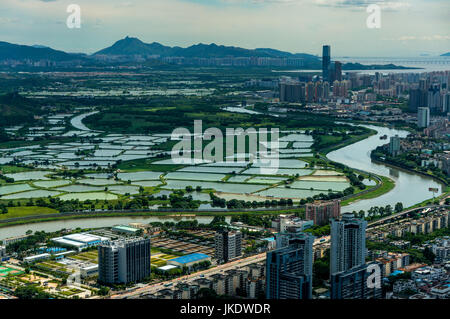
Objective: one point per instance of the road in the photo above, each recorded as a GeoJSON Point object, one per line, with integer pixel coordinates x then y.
{"type": "Point", "coordinates": [382, 220]}
{"type": "Point", "coordinates": [221, 268]}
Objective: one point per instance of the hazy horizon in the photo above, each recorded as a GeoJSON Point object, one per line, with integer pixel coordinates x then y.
{"type": "Point", "coordinates": [409, 28]}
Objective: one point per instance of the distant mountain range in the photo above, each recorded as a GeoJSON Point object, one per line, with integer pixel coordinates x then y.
{"type": "Point", "coordinates": [35, 53]}
{"type": "Point", "coordinates": [134, 46]}
{"type": "Point", "coordinates": [132, 49]}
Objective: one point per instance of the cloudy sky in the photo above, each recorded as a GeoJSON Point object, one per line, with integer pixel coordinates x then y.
{"type": "Point", "coordinates": [408, 27]}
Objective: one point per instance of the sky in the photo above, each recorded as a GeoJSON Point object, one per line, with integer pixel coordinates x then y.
{"type": "Point", "coordinates": [408, 27]}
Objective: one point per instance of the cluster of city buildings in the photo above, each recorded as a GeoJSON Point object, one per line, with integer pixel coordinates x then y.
{"type": "Point", "coordinates": [430, 150]}
{"type": "Point", "coordinates": [236, 61]}
{"type": "Point", "coordinates": [431, 91]}
{"type": "Point", "coordinates": [289, 268]}
{"type": "Point", "coordinates": [246, 282]}
{"type": "Point", "coordinates": [424, 225]}
{"type": "Point", "coordinates": [427, 282]}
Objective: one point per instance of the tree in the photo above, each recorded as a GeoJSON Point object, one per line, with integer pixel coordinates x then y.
{"type": "Point", "coordinates": [103, 291]}
{"type": "Point", "coordinates": [429, 255]}
{"type": "Point", "coordinates": [398, 207]}
{"type": "Point", "coordinates": [31, 292]}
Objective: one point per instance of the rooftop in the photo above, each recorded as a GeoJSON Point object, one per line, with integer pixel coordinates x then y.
{"type": "Point", "coordinates": [190, 258]}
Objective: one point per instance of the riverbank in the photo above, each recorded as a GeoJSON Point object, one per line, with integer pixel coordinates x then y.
{"type": "Point", "coordinates": [394, 165]}
{"type": "Point", "coordinates": [353, 140]}
{"type": "Point", "coordinates": [402, 186]}
{"type": "Point", "coordinates": [87, 215]}
{"type": "Point", "coordinates": [386, 185]}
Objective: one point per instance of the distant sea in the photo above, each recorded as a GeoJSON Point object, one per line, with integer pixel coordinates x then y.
{"type": "Point", "coordinates": [426, 64]}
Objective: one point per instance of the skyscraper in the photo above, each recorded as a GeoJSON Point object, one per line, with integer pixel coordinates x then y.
{"type": "Point", "coordinates": [289, 268]}
{"type": "Point", "coordinates": [228, 245]}
{"type": "Point", "coordinates": [423, 117]}
{"type": "Point", "coordinates": [394, 145]}
{"type": "Point", "coordinates": [417, 98]}
{"type": "Point", "coordinates": [348, 243]}
{"type": "Point", "coordinates": [326, 58]}
{"type": "Point", "coordinates": [355, 283]}
{"type": "Point", "coordinates": [322, 212]}
{"type": "Point", "coordinates": [338, 70]}
{"type": "Point", "coordinates": [124, 261]}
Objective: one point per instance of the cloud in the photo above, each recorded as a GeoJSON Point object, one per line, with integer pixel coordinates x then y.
{"type": "Point", "coordinates": [435, 37]}
{"type": "Point", "coordinates": [386, 5]}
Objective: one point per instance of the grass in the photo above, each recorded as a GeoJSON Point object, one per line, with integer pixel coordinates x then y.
{"type": "Point", "coordinates": [90, 256]}
{"type": "Point", "coordinates": [10, 169]}
{"type": "Point", "coordinates": [146, 165]}
{"type": "Point", "coordinates": [16, 212]}
{"type": "Point", "coordinates": [352, 140]}
{"type": "Point", "coordinates": [387, 185]}
{"type": "Point", "coordinates": [166, 214]}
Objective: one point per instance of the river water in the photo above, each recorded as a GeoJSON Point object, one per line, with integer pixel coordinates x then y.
{"type": "Point", "coordinates": [409, 188]}
{"type": "Point", "coordinates": [77, 121]}
{"type": "Point", "coordinates": [56, 225]}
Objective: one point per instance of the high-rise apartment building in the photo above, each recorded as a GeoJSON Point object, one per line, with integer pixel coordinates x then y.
{"type": "Point", "coordinates": [292, 92]}
{"type": "Point", "coordinates": [326, 59]}
{"type": "Point", "coordinates": [335, 72]}
{"type": "Point", "coordinates": [417, 98]}
{"type": "Point", "coordinates": [348, 243]}
{"type": "Point", "coordinates": [394, 145]}
{"type": "Point", "coordinates": [124, 261]}
{"type": "Point", "coordinates": [228, 245]}
{"type": "Point", "coordinates": [289, 268]}
{"type": "Point", "coordinates": [322, 212]}
{"type": "Point", "coordinates": [423, 117]}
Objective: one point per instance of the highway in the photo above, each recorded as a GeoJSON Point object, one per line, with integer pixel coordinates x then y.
{"type": "Point", "coordinates": [150, 289]}
{"type": "Point", "coordinates": [382, 220]}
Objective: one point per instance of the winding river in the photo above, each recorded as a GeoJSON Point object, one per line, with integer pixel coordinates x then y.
{"type": "Point", "coordinates": [94, 222]}
{"type": "Point", "coordinates": [410, 188]}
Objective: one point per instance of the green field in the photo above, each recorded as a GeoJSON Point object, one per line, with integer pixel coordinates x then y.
{"type": "Point", "coordinates": [89, 256]}
{"type": "Point", "coordinates": [4, 271]}
{"type": "Point", "coordinates": [387, 186]}
{"type": "Point", "coordinates": [23, 211]}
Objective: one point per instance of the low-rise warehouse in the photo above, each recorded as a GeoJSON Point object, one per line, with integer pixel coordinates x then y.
{"type": "Point", "coordinates": [80, 241]}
